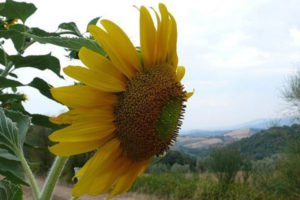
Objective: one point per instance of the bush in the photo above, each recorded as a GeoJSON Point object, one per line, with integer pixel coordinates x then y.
{"type": "Point", "coordinates": [177, 168]}
{"type": "Point", "coordinates": [167, 185]}
{"type": "Point", "coordinates": [225, 163]}
{"type": "Point", "coordinates": [157, 168]}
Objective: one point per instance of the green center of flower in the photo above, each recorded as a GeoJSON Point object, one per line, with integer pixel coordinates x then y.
{"type": "Point", "coordinates": [148, 113]}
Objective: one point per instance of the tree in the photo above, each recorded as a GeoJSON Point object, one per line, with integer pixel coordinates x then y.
{"type": "Point", "coordinates": [225, 163]}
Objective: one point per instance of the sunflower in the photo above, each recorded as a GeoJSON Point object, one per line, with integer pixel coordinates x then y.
{"type": "Point", "coordinates": [128, 107]}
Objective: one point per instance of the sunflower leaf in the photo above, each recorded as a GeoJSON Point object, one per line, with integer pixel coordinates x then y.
{"type": "Point", "coordinates": [68, 42]}
{"type": "Point", "coordinates": [41, 33]}
{"type": "Point", "coordinates": [5, 83]}
{"type": "Point", "coordinates": [42, 86]}
{"type": "Point", "coordinates": [21, 10]}
{"type": "Point", "coordinates": [70, 26]}
{"type": "Point", "coordinates": [16, 36]}
{"type": "Point", "coordinates": [93, 22]}
{"type": "Point", "coordinates": [3, 57]}
{"type": "Point", "coordinates": [40, 62]}
{"type": "Point", "coordinates": [10, 191]}
{"type": "Point", "coordinates": [13, 129]}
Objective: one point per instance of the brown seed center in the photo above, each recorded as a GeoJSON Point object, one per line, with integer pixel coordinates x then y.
{"type": "Point", "coordinates": [140, 110]}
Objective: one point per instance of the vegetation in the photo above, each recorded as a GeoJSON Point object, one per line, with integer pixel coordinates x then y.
{"type": "Point", "coordinates": [236, 171]}
{"type": "Point", "coordinates": [268, 142]}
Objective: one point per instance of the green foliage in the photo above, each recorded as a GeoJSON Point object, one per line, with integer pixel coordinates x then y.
{"type": "Point", "coordinates": [41, 62]}
{"type": "Point", "coordinates": [157, 168]}
{"type": "Point", "coordinates": [10, 191]}
{"type": "Point", "coordinates": [93, 22]}
{"type": "Point", "coordinates": [72, 27]}
{"type": "Point", "coordinates": [19, 10]}
{"type": "Point", "coordinates": [173, 157]}
{"type": "Point", "coordinates": [22, 37]}
{"type": "Point", "coordinates": [13, 129]}
{"type": "Point", "coordinates": [177, 168]}
{"type": "Point", "coordinates": [167, 185]}
{"type": "Point", "coordinates": [225, 163]}
{"type": "Point", "coordinates": [68, 42]}
{"type": "Point", "coordinates": [268, 142]}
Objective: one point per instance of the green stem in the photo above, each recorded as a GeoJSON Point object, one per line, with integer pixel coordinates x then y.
{"type": "Point", "coordinates": [33, 184]}
{"type": "Point", "coordinates": [74, 198]}
{"type": "Point", "coordinates": [52, 178]}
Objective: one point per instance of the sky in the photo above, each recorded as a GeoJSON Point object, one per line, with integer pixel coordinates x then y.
{"type": "Point", "coordinates": [238, 54]}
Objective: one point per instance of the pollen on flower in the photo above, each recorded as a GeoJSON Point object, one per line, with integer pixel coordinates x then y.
{"type": "Point", "coordinates": [148, 113]}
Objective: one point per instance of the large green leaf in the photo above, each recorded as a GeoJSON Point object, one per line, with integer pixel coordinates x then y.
{"type": "Point", "coordinates": [4, 153]}
{"type": "Point", "coordinates": [23, 123]}
{"type": "Point", "coordinates": [40, 62]}
{"type": "Point", "coordinates": [6, 98]}
{"type": "Point", "coordinates": [5, 83]}
{"type": "Point", "coordinates": [42, 86]}
{"type": "Point", "coordinates": [13, 128]}
{"type": "Point", "coordinates": [41, 33]}
{"type": "Point", "coordinates": [10, 191]}
{"type": "Point", "coordinates": [68, 42]}
{"type": "Point", "coordinates": [72, 27]}
{"type": "Point", "coordinates": [3, 57]}
{"type": "Point", "coordinates": [37, 83]}
{"type": "Point", "coordinates": [16, 36]}
{"type": "Point", "coordinates": [21, 10]}
{"type": "Point", "coordinates": [12, 170]}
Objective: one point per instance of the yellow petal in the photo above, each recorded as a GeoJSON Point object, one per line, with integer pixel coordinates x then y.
{"type": "Point", "coordinates": [98, 63]}
{"type": "Point", "coordinates": [111, 171]}
{"type": "Point", "coordinates": [172, 48]}
{"type": "Point", "coordinates": [73, 148]}
{"type": "Point", "coordinates": [162, 34]}
{"type": "Point", "coordinates": [103, 82]}
{"type": "Point", "coordinates": [64, 118]}
{"type": "Point", "coordinates": [125, 181]}
{"type": "Point", "coordinates": [80, 114]}
{"type": "Point", "coordinates": [110, 150]}
{"type": "Point", "coordinates": [147, 37]}
{"type": "Point", "coordinates": [106, 42]}
{"type": "Point", "coordinates": [180, 73]}
{"type": "Point", "coordinates": [123, 45]}
{"type": "Point", "coordinates": [189, 94]}
{"type": "Point", "coordinates": [82, 96]}
{"type": "Point", "coordinates": [83, 131]}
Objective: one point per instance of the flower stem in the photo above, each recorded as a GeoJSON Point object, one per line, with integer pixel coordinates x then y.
{"type": "Point", "coordinates": [33, 184]}
{"type": "Point", "coordinates": [52, 178]}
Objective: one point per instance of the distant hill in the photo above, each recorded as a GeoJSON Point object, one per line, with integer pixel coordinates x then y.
{"type": "Point", "coordinates": [259, 124]}
{"type": "Point", "coordinates": [198, 144]}
{"type": "Point", "coordinates": [268, 142]}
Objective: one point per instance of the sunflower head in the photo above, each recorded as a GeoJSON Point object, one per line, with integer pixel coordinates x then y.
{"type": "Point", "coordinates": [129, 106]}
{"type": "Point", "coordinates": [148, 112]}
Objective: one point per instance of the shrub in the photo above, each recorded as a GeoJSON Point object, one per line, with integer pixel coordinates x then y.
{"type": "Point", "coordinates": [177, 168]}
{"type": "Point", "coordinates": [167, 185]}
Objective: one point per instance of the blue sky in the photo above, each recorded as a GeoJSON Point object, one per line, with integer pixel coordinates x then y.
{"type": "Point", "coordinates": [238, 53]}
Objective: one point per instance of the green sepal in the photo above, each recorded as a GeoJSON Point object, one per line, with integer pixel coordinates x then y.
{"type": "Point", "coordinates": [168, 121]}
